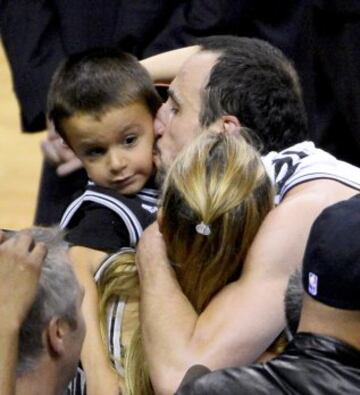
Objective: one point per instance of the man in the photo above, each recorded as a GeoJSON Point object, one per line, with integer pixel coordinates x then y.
{"type": "Point", "coordinates": [226, 84]}
{"type": "Point", "coordinates": [38, 35]}
{"type": "Point", "coordinates": [324, 356]}
{"type": "Point", "coordinates": [43, 326]}
{"type": "Point", "coordinates": [251, 84]}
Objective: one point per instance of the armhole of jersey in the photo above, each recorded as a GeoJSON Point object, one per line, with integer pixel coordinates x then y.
{"type": "Point", "coordinates": [106, 262]}
{"type": "Point", "coordinates": [115, 315]}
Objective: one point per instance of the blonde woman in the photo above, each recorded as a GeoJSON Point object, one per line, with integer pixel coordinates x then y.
{"type": "Point", "coordinates": [215, 197]}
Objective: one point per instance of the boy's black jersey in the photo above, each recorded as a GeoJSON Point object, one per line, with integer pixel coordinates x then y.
{"type": "Point", "coordinates": [105, 220]}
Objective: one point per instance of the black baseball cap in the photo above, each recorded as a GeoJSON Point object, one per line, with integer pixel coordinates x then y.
{"type": "Point", "coordinates": [331, 266]}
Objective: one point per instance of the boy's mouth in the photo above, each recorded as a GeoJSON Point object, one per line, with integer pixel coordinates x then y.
{"type": "Point", "coordinates": [123, 182]}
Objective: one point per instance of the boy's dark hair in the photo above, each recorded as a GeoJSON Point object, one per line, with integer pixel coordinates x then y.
{"type": "Point", "coordinates": [96, 80]}
{"type": "Point", "coordinates": [255, 82]}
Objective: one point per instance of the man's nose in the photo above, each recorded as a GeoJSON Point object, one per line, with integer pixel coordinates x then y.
{"type": "Point", "coordinates": [160, 122]}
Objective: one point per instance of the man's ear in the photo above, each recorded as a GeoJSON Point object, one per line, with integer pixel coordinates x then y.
{"type": "Point", "coordinates": [56, 333]}
{"type": "Point", "coordinates": [231, 124]}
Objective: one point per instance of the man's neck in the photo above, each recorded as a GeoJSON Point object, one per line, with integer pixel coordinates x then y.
{"type": "Point", "coordinates": [38, 382]}
{"type": "Point", "coordinates": [318, 318]}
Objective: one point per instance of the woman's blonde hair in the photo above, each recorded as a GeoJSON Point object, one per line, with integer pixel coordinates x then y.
{"type": "Point", "coordinates": [219, 182]}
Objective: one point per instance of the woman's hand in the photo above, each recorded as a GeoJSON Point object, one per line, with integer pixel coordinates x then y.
{"type": "Point", "coordinates": [20, 267]}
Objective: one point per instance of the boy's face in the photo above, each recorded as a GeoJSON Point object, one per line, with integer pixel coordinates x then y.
{"type": "Point", "coordinates": [116, 148]}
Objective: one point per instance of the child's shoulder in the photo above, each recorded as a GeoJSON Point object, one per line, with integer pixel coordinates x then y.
{"type": "Point", "coordinates": [103, 219]}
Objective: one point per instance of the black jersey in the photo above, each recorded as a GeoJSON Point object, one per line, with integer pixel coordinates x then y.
{"type": "Point", "coordinates": [105, 220]}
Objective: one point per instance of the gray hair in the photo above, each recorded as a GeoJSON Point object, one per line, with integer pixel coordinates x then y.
{"type": "Point", "coordinates": [293, 302]}
{"type": "Point", "coordinates": [57, 295]}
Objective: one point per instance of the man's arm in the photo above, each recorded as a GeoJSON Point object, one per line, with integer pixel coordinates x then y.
{"type": "Point", "coordinates": [235, 328]}
{"type": "Point", "coordinates": [244, 318]}
{"type": "Point", "coordinates": [165, 66]}
{"type": "Point", "coordinates": [20, 267]}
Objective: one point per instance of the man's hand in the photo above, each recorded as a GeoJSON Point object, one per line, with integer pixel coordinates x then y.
{"type": "Point", "coordinates": [20, 268]}
{"type": "Point", "coordinates": [57, 153]}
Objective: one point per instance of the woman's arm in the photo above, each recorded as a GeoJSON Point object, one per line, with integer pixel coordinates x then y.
{"type": "Point", "coordinates": [164, 67]}
{"type": "Point", "coordinates": [100, 376]}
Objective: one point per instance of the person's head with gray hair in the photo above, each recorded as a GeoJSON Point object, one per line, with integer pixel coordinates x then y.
{"type": "Point", "coordinates": [51, 336]}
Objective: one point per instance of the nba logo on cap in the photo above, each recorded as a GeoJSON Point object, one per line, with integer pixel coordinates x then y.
{"type": "Point", "coordinates": [313, 284]}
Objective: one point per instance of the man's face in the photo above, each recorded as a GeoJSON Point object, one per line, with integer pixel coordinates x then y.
{"type": "Point", "coordinates": [177, 121]}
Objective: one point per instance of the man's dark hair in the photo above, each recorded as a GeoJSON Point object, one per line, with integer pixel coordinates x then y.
{"type": "Point", "coordinates": [255, 82]}
{"type": "Point", "coordinates": [94, 81]}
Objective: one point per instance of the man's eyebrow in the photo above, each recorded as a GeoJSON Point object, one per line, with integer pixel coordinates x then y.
{"type": "Point", "coordinates": [173, 96]}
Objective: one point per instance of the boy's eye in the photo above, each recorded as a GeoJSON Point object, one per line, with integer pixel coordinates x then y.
{"type": "Point", "coordinates": [130, 139]}
{"type": "Point", "coordinates": [94, 152]}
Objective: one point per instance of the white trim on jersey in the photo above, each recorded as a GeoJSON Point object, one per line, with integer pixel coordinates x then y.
{"type": "Point", "coordinates": [115, 316]}
{"type": "Point", "coordinates": [149, 195]}
{"type": "Point", "coordinates": [323, 176]}
{"type": "Point", "coordinates": [131, 222]}
{"type": "Point", "coordinates": [108, 260]}
{"type": "Point", "coordinates": [78, 384]}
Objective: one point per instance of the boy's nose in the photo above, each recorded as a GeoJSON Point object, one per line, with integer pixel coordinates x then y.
{"type": "Point", "coordinates": [116, 161]}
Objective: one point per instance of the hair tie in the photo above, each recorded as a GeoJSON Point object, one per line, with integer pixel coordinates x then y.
{"type": "Point", "coordinates": [203, 229]}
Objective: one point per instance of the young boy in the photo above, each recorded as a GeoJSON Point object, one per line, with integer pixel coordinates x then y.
{"type": "Point", "coordinates": [102, 103]}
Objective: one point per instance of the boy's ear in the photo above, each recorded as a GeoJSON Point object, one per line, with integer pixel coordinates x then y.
{"type": "Point", "coordinates": [56, 333]}
{"type": "Point", "coordinates": [231, 124]}
{"type": "Point", "coordinates": [53, 134]}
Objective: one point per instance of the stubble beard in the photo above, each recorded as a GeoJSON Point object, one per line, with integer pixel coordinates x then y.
{"type": "Point", "coordinates": [160, 176]}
